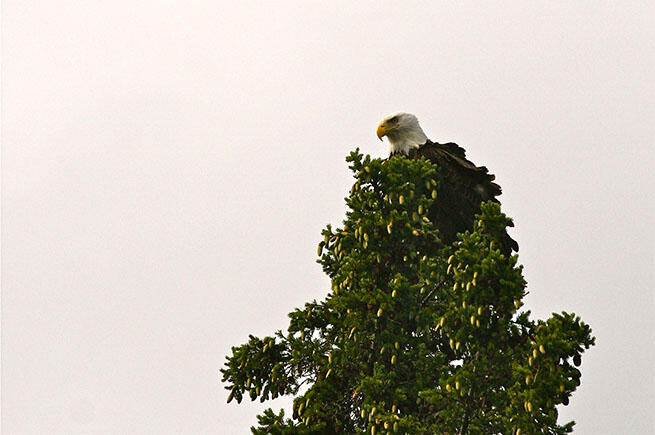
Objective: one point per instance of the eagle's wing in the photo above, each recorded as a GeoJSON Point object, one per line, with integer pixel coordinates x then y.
{"type": "Point", "coordinates": [463, 186]}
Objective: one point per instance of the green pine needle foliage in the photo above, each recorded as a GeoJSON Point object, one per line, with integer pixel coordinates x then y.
{"type": "Point", "coordinates": [413, 337]}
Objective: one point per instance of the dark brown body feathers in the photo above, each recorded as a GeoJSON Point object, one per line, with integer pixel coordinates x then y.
{"type": "Point", "coordinates": [462, 187]}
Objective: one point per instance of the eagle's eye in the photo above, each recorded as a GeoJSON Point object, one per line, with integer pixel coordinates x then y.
{"type": "Point", "coordinates": [393, 120]}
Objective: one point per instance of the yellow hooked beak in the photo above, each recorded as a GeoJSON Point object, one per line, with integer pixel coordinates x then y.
{"type": "Point", "coordinates": [383, 129]}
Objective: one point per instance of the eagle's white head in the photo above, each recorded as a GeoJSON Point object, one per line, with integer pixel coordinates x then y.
{"type": "Point", "coordinates": [403, 132]}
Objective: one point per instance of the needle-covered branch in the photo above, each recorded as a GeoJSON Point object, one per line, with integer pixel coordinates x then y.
{"type": "Point", "coordinates": [413, 336]}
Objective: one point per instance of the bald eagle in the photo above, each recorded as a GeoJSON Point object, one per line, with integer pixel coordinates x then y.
{"type": "Point", "coordinates": [463, 185]}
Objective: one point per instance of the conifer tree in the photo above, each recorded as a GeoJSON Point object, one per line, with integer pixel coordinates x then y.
{"type": "Point", "coordinates": [414, 337]}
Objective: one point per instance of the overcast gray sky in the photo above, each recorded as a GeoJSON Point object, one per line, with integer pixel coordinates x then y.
{"type": "Point", "coordinates": [168, 167]}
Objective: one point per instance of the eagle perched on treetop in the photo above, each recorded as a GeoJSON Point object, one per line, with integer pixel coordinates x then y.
{"type": "Point", "coordinates": [463, 186]}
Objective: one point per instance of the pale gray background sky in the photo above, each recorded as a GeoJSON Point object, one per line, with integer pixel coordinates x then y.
{"type": "Point", "coordinates": [168, 167]}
